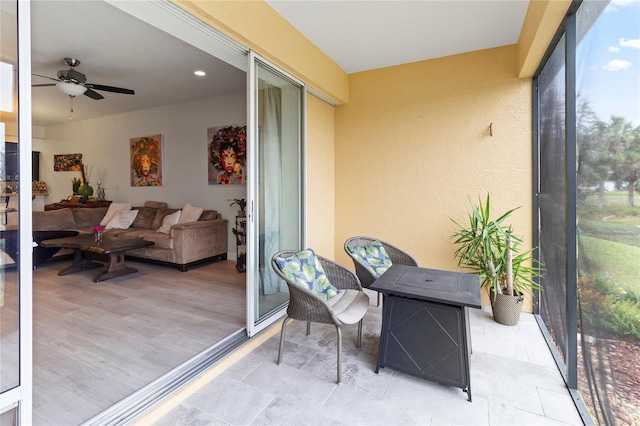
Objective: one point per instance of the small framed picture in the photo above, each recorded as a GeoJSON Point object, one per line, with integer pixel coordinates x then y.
{"type": "Point", "coordinates": [67, 162]}
{"type": "Point", "coordinates": [146, 160]}
{"type": "Point", "coordinates": [227, 154]}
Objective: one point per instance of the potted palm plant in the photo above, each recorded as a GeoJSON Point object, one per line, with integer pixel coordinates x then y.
{"type": "Point", "coordinates": [241, 203]}
{"type": "Point", "coordinates": [489, 248]}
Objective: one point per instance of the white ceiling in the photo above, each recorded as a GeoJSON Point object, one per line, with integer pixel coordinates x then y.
{"type": "Point", "coordinates": [117, 49]}
{"type": "Point", "coordinates": [364, 34]}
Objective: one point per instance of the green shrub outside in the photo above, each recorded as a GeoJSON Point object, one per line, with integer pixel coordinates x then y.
{"type": "Point", "coordinates": [608, 310]}
{"type": "Point", "coordinates": [609, 262]}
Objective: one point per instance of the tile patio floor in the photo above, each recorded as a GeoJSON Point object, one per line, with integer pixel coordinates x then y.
{"type": "Point", "coordinates": [514, 381]}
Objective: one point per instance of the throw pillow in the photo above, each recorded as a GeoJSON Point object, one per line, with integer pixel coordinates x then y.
{"type": "Point", "coordinates": [305, 270]}
{"type": "Point", "coordinates": [159, 217]}
{"type": "Point", "coordinates": [168, 221]}
{"type": "Point", "coordinates": [113, 209]}
{"type": "Point", "coordinates": [144, 219]}
{"type": "Point", "coordinates": [208, 215]}
{"type": "Point", "coordinates": [190, 213]}
{"type": "Point", "coordinates": [122, 219]}
{"type": "Point", "coordinates": [373, 256]}
{"type": "Point", "coordinates": [156, 204]}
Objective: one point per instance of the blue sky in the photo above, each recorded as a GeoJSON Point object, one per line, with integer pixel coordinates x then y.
{"type": "Point", "coordinates": [609, 62]}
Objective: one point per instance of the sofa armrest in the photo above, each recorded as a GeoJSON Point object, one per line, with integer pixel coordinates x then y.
{"type": "Point", "coordinates": [193, 241]}
{"type": "Point", "coordinates": [199, 225]}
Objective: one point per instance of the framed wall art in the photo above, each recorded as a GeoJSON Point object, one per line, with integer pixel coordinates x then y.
{"type": "Point", "coordinates": [67, 162]}
{"type": "Point", "coordinates": [227, 154]}
{"type": "Point", "coordinates": [146, 160]}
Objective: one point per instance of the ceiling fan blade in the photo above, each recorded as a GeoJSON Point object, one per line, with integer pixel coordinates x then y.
{"type": "Point", "coordinates": [93, 95]}
{"type": "Point", "coordinates": [43, 85]}
{"type": "Point", "coordinates": [44, 76]}
{"type": "Point", "coordinates": [110, 89]}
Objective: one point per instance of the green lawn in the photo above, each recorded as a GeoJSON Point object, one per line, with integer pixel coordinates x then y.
{"type": "Point", "coordinates": [623, 229]}
{"type": "Point", "coordinates": [618, 262]}
{"type": "Point", "coordinates": [612, 198]}
{"type": "Point", "coordinates": [614, 222]}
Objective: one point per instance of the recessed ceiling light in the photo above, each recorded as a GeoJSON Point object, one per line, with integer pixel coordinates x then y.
{"type": "Point", "coordinates": [200, 73]}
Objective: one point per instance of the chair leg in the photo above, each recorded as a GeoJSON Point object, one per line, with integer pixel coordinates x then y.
{"type": "Point", "coordinates": [339, 354]}
{"type": "Point", "coordinates": [281, 347]}
{"type": "Point", "coordinates": [359, 345]}
{"type": "Point", "coordinates": [308, 328]}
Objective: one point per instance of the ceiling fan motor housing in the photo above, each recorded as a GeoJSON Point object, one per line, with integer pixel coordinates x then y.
{"type": "Point", "coordinates": [72, 76]}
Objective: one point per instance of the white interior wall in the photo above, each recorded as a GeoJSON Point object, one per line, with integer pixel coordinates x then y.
{"type": "Point", "coordinates": [104, 145]}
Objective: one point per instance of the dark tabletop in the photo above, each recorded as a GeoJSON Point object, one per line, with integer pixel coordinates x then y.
{"type": "Point", "coordinates": [430, 284]}
{"type": "Point", "coordinates": [108, 245]}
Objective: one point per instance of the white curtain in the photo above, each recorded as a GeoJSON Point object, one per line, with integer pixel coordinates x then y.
{"type": "Point", "coordinates": [269, 146]}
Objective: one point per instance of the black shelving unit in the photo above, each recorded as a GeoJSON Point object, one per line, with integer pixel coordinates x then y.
{"type": "Point", "coordinates": [240, 232]}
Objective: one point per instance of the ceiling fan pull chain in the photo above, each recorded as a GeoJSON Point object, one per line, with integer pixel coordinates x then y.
{"type": "Point", "coordinates": [71, 107]}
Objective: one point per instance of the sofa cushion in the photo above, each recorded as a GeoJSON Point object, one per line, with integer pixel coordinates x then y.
{"type": "Point", "coordinates": [145, 216]}
{"type": "Point", "coordinates": [190, 213]}
{"type": "Point", "coordinates": [160, 240]}
{"type": "Point", "coordinates": [135, 233]}
{"type": "Point", "coordinates": [120, 233]}
{"type": "Point", "coordinates": [168, 221]}
{"type": "Point", "coordinates": [113, 209]}
{"type": "Point", "coordinates": [53, 220]}
{"type": "Point", "coordinates": [122, 219]}
{"type": "Point", "coordinates": [208, 215]}
{"type": "Point", "coordinates": [156, 204]}
{"type": "Point", "coordinates": [87, 218]}
{"type": "Point", "coordinates": [160, 214]}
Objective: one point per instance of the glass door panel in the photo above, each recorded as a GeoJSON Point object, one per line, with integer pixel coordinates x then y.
{"type": "Point", "coordinates": [15, 221]}
{"type": "Point", "coordinates": [275, 188]}
{"type": "Point", "coordinates": [9, 174]}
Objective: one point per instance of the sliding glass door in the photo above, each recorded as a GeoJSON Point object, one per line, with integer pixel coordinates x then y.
{"type": "Point", "coordinates": [275, 187]}
{"type": "Point", "coordinates": [15, 228]}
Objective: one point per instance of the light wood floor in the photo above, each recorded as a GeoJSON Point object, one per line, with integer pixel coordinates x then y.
{"type": "Point", "coordinates": [96, 343]}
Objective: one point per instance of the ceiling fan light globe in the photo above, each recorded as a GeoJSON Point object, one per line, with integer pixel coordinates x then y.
{"type": "Point", "coordinates": [71, 89]}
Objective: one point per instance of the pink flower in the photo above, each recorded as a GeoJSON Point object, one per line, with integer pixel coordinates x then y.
{"type": "Point", "coordinates": [97, 228]}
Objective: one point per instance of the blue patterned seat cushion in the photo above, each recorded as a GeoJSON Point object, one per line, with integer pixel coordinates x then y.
{"type": "Point", "coordinates": [304, 269]}
{"type": "Point", "coordinates": [373, 256]}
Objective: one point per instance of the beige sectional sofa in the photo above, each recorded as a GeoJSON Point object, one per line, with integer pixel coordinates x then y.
{"type": "Point", "coordinates": [184, 245]}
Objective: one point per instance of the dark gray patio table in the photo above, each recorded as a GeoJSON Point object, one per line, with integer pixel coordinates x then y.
{"type": "Point", "coordinates": [425, 323]}
{"type": "Point", "coordinates": [110, 250]}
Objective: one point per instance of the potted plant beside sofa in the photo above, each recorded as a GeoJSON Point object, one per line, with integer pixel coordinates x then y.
{"type": "Point", "coordinates": [241, 203]}
{"type": "Point", "coordinates": [489, 248]}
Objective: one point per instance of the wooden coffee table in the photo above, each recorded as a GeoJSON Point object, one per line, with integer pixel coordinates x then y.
{"type": "Point", "coordinates": [85, 249]}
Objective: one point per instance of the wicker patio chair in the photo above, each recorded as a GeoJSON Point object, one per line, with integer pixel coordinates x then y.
{"type": "Point", "coordinates": [347, 307]}
{"type": "Point", "coordinates": [364, 273]}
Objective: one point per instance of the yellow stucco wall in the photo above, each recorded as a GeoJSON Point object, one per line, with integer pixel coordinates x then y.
{"type": "Point", "coordinates": [413, 145]}
{"type": "Point", "coordinates": [320, 174]}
